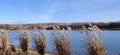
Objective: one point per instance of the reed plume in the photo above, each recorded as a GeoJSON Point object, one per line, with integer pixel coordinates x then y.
{"type": "Point", "coordinates": [24, 40]}
{"type": "Point", "coordinates": [62, 40]}
{"type": "Point", "coordinates": [40, 40]}
{"type": "Point", "coordinates": [94, 44]}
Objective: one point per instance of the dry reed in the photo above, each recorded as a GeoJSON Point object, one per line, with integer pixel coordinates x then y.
{"type": "Point", "coordinates": [40, 40]}
{"type": "Point", "coordinates": [4, 40]}
{"type": "Point", "coordinates": [13, 48]}
{"type": "Point", "coordinates": [24, 40]}
{"type": "Point", "coordinates": [94, 44]}
{"type": "Point", "coordinates": [62, 41]}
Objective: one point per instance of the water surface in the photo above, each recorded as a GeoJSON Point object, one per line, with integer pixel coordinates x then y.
{"type": "Point", "coordinates": [110, 38]}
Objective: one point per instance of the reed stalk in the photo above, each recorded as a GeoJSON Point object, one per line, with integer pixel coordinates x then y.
{"type": "Point", "coordinates": [94, 44]}
{"type": "Point", "coordinates": [62, 40]}
{"type": "Point", "coordinates": [40, 40]}
{"type": "Point", "coordinates": [4, 40]}
{"type": "Point", "coordinates": [24, 40]}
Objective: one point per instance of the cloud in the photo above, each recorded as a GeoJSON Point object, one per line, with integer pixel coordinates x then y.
{"type": "Point", "coordinates": [49, 14]}
{"type": "Point", "coordinates": [7, 22]}
{"type": "Point", "coordinates": [46, 17]}
{"type": "Point", "coordinates": [56, 7]}
{"type": "Point", "coordinates": [35, 19]}
{"type": "Point", "coordinates": [42, 18]}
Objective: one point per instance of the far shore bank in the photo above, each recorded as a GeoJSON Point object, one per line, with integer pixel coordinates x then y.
{"type": "Point", "coordinates": [74, 25]}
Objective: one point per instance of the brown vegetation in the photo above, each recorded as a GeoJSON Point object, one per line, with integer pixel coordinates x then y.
{"type": "Point", "coordinates": [6, 49]}
{"type": "Point", "coordinates": [4, 40]}
{"type": "Point", "coordinates": [24, 41]}
{"type": "Point", "coordinates": [62, 41]}
{"type": "Point", "coordinates": [48, 26]}
{"type": "Point", "coordinates": [94, 44]}
{"type": "Point", "coordinates": [61, 36]}
{"type": "Point", "coordinates": [40, 41]}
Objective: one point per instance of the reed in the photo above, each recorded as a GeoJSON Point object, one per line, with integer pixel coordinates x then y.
{"type": "Point", "coordinates": [4, 40]}
{"type": "Point", "coordinates": [94, 44]}
{"type": "Point", "coordinates": [13, 48]}
{"type": "Point", "coordinates": [24, 40]}
{"type": "Point", "coordinates": [62, 41]}
{"type": "Point", "coordinates": [40, 40]}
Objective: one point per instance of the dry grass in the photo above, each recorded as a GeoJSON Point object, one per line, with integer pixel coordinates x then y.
{"type": "Point", "coordinates": [18, 51]}
{"type": "Point", "coordinates": [24, 40]}
{"type": "Point", "coordinates": [13, 48]}
{"type": "Point", "coordinates": [23, 49]}
{"type": "Point", "coordinates": [62, 41]}
{"type": "Point", "coordinates": [4, 40]}
{"type": "Point", "coordinates": [94, 44]}
{"type": "Point", "coordinates": [40, 40]}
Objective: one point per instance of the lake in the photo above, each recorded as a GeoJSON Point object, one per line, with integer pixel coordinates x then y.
{"type": "Point", "coordinates": [110, 38]}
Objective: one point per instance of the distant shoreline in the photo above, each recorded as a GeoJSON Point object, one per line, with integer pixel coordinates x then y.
{"type": "Point", "coordinates": [49, 26]}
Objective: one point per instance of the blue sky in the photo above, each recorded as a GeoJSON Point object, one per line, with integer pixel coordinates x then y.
{"type": "Point", "coordinates": [42, 11]}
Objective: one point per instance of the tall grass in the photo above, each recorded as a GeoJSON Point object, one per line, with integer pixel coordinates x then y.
{"type": "Point", "coordinates": [94, 44]}
{"type": "Point", "coordinates": [4, 40]}
{"type": "Point", "coordinates": [62, 41]}
{"type": "Point", "coordinates": [13, 48]}
{"type": "Point", "coordinates": [40, 40]}
{"type": "Point", "coordinates": [61, 36]}
{"type": "Point", "coordinates": [24, 40]}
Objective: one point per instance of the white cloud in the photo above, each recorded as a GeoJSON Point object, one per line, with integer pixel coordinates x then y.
{"type": "Point", "coordinates": [7, 22]}
{"type": "Point", "coordinates": [45, 17]}
{"type": "Point", "coordinates": [56, 7]}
